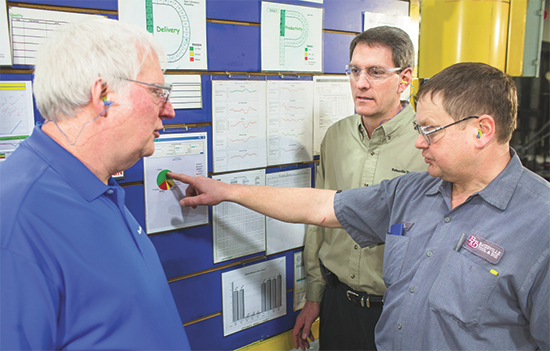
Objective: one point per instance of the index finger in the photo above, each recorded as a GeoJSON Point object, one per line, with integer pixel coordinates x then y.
{"type": "Point", "coordinates": [178, 176]}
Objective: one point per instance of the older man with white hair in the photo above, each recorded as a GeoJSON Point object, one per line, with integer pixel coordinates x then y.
{"type": "Point", "coordinates": [77, 270]}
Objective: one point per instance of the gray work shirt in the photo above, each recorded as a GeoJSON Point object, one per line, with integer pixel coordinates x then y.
{"type": "Point", "coordinates": [442, 299]}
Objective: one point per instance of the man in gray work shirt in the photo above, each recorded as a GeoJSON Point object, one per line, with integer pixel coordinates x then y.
{"type": "Point", "coordinates": [375, 144]}
{"type": "Point", "coordinates": [467, 256]}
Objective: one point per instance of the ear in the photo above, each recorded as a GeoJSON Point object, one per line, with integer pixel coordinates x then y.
{"type": "Point", "coordinates": [99, 95]}
{"type": "Point", "coordinates": [405, 79]}
{"type": "Point", "coordinates": [485, 130]}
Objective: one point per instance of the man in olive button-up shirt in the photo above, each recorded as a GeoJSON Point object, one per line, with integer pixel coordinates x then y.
{"type": "Point", "coordinates": [375, 144]}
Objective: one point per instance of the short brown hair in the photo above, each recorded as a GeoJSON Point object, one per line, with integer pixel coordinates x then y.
{"type": "Point", "coordinates": [473, 89]}
{"type": "Point", "coordinates": [395, 39]}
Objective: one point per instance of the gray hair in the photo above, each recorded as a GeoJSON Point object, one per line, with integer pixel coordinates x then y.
{"type": "Point", "coordinates": [75, 56]}
{"type": "Point", "coordinates": [395, 39]}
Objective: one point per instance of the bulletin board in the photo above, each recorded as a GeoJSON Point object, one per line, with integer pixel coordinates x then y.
{"type": "Point", "coordinates": [233, 31]}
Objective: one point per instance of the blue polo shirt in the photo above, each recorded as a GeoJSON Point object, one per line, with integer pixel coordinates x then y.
{"type": "Point", "coordinates": [488, 291]}
{"type": "Point", "coordinates": [77, 270]}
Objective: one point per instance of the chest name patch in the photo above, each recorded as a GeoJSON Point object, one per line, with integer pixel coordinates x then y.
{"type": "Point", "coordinates": [483, 248]}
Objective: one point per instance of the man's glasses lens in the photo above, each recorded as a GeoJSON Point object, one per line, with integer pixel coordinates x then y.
{"type": "Point", "coordinates": [373, 73]}
{"type": "Point", "coordinates": [162, 92]}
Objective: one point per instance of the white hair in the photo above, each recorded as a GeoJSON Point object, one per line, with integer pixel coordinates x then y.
{"type": "Point", "coordinates": [75, 56]}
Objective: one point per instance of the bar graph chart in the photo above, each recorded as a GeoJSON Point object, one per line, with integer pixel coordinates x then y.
{"type": "Point", "coordinates": [253, 295]}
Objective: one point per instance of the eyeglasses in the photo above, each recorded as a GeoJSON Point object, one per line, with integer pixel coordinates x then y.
{"type": "Point", "coordinates": [162, 92]}
{"type": "Point", "coordinates": [433, 133]}
{"type": "Point", "coordinates": [373, 73]}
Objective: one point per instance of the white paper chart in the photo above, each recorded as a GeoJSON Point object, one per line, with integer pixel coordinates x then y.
{"type": "Point", "coordinates": [180, 153]}
{"type": "Point", "coordinates": [291, 38]}
{"type": "Point", "coordinates": [300, 285]}
{"type": "Point", "coordinates": [253, 295]}
{"type": "Point", "coordinates": [239, 125]}
{"type": "Point", "coordinates": [283, 236]}
{"type": "Point", "coordinates": [179, 25]}
{"type": "Point", "coordinates": [237, 230]}
{"type": "Point", "coordinates": [16, 110]}
{"type": "Point", "coordinates": [290, 121]}
{"type": "Point", "coordinates": [333, 102]}
{"type": "Point", "coordinates": [30, 27]}
{"type": "Point", "coordinates": [16, 115]}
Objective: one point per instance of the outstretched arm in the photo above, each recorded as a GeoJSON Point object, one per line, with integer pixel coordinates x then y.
{"type": "Point", "coordinates": [294, 205]}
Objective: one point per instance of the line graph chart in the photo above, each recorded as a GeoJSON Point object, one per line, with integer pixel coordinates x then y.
{"type": "Point", "coordinates": [239, 125]}
{"type": "Point", "coordinates": [290, 121]}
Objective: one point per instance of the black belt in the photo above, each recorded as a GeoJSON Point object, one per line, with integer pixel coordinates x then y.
{"type": "Point", "coordinates": [358, 298]}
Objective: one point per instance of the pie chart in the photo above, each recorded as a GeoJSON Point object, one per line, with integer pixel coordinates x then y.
{"type": "Point", "coordinates": [163, 182]}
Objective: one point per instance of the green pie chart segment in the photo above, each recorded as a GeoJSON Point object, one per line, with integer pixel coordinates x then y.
{"type": "Point", "coordinates": [163, 182]}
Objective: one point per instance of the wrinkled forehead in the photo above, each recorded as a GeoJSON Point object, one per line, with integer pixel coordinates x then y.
{"type": "Point", "coordinates": [430, 110]}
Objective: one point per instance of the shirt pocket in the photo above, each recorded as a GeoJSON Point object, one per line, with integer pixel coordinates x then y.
{"type": "Point", "coordinates": [462, 288]}
{"type": "Point", "coordinates": [394, 255]}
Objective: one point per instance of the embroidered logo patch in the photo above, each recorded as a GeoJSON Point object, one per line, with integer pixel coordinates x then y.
{"type": "Point", "coordinates": [483, 248]}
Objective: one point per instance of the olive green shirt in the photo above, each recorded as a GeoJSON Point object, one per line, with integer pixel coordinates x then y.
{"type": "Point", "coordinates": [349, 159]}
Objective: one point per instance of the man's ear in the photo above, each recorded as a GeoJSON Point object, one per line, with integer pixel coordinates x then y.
{"type": "Point", "coordinates": [99, 96]}
{"type": "Point", "coordinates": [486, 130]}
{"type": "Point", "coordinates": [406, 79]}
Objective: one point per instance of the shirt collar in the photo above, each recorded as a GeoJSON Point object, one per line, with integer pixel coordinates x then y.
{"type": "Point", "coordinates": [392, 126]}
{"type": "Point", "coordinates": [499, 191]}
{"type": "Point", "coordinates": [75, 173]}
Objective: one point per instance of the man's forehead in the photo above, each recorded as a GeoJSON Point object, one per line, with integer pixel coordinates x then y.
{"type": "Point", "coordinates": [428, 109]}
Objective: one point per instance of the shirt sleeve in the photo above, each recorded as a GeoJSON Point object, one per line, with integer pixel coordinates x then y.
{"type": "Point", "coordinates": [537, 301]}
{"type": "Point", "coordinates": [365, 213]}
{"type": "Point", "coordinates": [29, 305]}
{"type": "Point", "coordinates": [314, 240]}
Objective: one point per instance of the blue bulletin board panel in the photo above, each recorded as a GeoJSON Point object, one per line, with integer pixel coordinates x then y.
{"type": "Point", "coordinates": [232, 47]}
{"type": "Point", "coordinates": [336, 51]}
{"type": "Point", "coordinates": [233, 44]}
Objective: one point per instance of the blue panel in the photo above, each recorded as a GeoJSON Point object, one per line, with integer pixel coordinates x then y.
{"type": "Point", "coordinates": [347, 15]}
{"type": "Point", "coordinates": [336, 52]}
{"type": "Point", "coordinates": [208, 334]}
{"type": "Point", "coordinates": [198, 296]}
{"type": "Point", "coordinates": [185, 251]}
{"type": "Point", "coordinates": [197, 115]}
{"type": "Point", "coordinates": [233, 48]}
{"type": "Point", "coordinates": [96, 4]}
{"type": "Point", "coordinates": [135, 200]}
{"type": "Point", "coordinates": [189, 250]}
{"type": "Point", "coordinates": [234, 10]}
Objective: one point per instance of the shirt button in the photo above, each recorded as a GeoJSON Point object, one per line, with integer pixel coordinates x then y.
{"type": "Point", "coordinates": [366, 184]}
{"type": "Point", "coordinates": [353, 276]}
{"type": "Point", "coordinates": [388, 137]}
{"type": "Point", "coordinates": [429, 254]}
{"type": "Point", "coordinates": [412, 289]}
{"type": "Point", "coordinates": [356, 247]}
{"type": "Point", "coordinates": [110, 191]}
{"type": "Point", "coordinates": [447, 219]}
{"type": "Point", "coordinates": [399, 326]}
{"type": "Point", "coordinates": [372, 153]}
